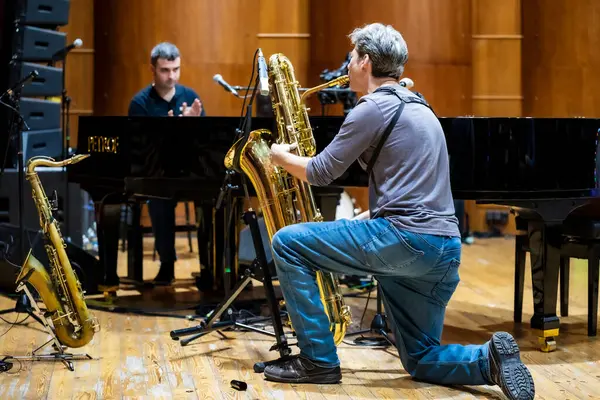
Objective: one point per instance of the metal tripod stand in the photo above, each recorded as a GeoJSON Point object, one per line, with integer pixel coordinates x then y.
{"type": "Point", "coordinates": [259, 267]}
{"type": "Point", "coordinates": [60, 354]}
{"type": "Point", "coordinates": [379, 327]}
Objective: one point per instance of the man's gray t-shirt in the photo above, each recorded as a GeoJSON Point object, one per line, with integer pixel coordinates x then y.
{"type": "Point", "coordinates": [410, 184]}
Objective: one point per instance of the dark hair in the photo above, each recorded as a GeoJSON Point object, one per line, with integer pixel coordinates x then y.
{"type": "Point", "coordinates": [165, 50]}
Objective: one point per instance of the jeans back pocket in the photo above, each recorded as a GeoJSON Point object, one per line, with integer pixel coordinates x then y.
{"type": "Point", "coordinates": [390, 251]}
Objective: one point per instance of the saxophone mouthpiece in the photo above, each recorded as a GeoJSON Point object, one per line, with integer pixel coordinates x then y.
{"type": "Point", "coordinates": [340, 80]}
{"type": "Point", "coordinates": [79, 157]}
{"type": "Point", "coordinates": [75, 159]}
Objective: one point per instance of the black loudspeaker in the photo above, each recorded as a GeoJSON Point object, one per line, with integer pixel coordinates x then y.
{"type": "Point", "coordinates": [52, 180]}
{"type": "Point", "coordinates": [38, 44]}
{"type": "Point", "coordinates": [85, 266]}
{"type": "Point", "coordinates": [40, 114]}
{"type": "Point", "coordinates": [47, 83]}
{"type": "Point", "coordinates": [45, 12]}
{"type": "Point", "coordinates": [42, 143]}
{"type": "Point", "coordinates": [30, 40]}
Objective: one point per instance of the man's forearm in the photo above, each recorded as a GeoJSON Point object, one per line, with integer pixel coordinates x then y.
{"type": "Point", "coordinates": [362, 216]}
{"type": "Point", "coordinates": [295, 165]}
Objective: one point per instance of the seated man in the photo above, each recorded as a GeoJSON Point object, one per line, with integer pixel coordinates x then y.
{"type": "Point", "coordinates": [163, 97]}
{"type": "Point", "coordinates": [408, 239]}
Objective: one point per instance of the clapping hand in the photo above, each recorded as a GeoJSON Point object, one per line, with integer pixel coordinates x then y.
{"type": "Point", "coordinates": [192, 111]}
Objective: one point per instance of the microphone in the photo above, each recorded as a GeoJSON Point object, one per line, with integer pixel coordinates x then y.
{"type": "Point", "coordinates": [407, 83]}
{"type": "Point", "coordinates": [30, 76]}
{"type": "Point", "coordinates": [219, 79]}
{"type": "Point", "coordinates": [263, 74]}
{"type": "Point", "coordinates": [63, 52]}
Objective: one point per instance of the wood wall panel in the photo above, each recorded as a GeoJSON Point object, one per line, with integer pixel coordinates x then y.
{"type": "Point", "coordinates": [79, 78]}
{"type": "Point", "coordinates": [496, 78]}
{"type": "Point", "coordinates": [561, 58]}
{"type": "Point", "coordinates": [285, 28]}
{"type": "Point", "coordinates": [213, 38]}
{"type": "Point", "coordinates": [496, 34]}
{"type": "Point", "coordinates": [438, 35]}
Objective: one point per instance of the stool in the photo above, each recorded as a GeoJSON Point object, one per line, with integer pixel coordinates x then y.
{"type": "Point", "coordinates": [582, 241]}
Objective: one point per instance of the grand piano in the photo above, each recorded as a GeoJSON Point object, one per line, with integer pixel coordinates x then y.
{"type": "Point", "coordinates": [545, 169]}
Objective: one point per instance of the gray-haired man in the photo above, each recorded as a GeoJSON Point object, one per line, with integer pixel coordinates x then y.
{"type": "Point", "coordinates": [409, 239]}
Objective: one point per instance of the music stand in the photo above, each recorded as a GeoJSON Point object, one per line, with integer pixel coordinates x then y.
{"type": "Point", "coordinates": [259, 267]}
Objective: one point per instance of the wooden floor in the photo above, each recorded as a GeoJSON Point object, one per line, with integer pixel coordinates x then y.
{"type": "Point", "coordinates": [134, 357]}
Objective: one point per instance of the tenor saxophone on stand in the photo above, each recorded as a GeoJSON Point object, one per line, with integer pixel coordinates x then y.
{"type": "Point", "coordinates": [60, 290]}
{"type": "Point", "coordinates": [284, 199]}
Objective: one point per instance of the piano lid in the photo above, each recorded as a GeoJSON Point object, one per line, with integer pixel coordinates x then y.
{"type": "Point", "coordinates": [522, 158]}
{"type": "Point", "coordinates": [490, 158]}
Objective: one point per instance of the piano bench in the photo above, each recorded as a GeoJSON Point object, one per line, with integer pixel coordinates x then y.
{"type": "Point", "coordinates": [584, 229]}
{"type": "Point", "coordinates": [576, 244]}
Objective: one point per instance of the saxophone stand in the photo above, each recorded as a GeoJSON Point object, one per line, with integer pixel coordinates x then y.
{"type": "Point", "coordinates": [59, 354]}
{"type": "Point", "coordinates": [259, 270]}
{"type": "Point", "coordinates": [378, 326]}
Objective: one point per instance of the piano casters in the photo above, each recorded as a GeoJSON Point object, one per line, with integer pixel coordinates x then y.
{"type": "Point", "coordinates": [259, 269]}
{"type": "Point", "coordinates": [544, 247]}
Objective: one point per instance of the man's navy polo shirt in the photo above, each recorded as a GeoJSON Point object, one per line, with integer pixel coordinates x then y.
{"type": "Point", "coordinates": [147, 102]}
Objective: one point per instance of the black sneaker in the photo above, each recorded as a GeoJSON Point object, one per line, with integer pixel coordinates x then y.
{"type": "Point", "coordinates": [507, 370]}
{"type": "Point", "coordinates": [302, 370]}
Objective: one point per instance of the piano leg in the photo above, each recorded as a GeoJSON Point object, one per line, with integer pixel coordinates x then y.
{"type": "Point", "coordinates": [544, 243]}
{"type": "Point", "coordinates": [135, 248]}
{"type": "Point", "coordinates": [205, 219]}
{"type": "Point", "coordinates": [108, 217]}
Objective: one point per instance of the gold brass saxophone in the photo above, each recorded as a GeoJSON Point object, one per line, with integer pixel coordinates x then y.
{"type": "Point", "coordinates": [60, 291]}
{"type": "Point", "coordinates": [284, 199]}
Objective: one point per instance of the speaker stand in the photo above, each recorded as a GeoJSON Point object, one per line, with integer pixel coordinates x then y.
{"type": "Point", "coordinates": [60, 354]}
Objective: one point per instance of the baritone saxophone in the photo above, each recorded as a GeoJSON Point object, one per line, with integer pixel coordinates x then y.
{"type": "Point", "coordinates": [284, 199]}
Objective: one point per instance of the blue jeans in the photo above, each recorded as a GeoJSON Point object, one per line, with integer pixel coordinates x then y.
{"type": "Point", "coordinates": [418, 274]}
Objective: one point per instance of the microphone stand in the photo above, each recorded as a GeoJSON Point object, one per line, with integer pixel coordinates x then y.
{"type": "Point", "coordinates": [17, 126]}
{"type": "Point", "coordinates": [260, 270]}
{"type": "Point", "coordinates": [16, 130]}
{"type": "Point", "coordinates": [66, 140]}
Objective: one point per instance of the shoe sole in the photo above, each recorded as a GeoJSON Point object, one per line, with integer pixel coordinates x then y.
{"type": "Point", "coordinates": [318, 379]}
{"type": "Point", "coordinates": [516, 380]}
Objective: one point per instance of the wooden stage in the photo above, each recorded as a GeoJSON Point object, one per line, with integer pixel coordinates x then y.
{"type": "Point", "coordinates": [134, 357]}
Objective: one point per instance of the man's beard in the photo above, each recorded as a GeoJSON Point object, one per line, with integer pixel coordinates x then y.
{"type": "Point", "coordinates": [166, 85]}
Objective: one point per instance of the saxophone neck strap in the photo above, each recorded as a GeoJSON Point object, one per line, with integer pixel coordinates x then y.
{"type": "Point", "coordinates": [403, 100]}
